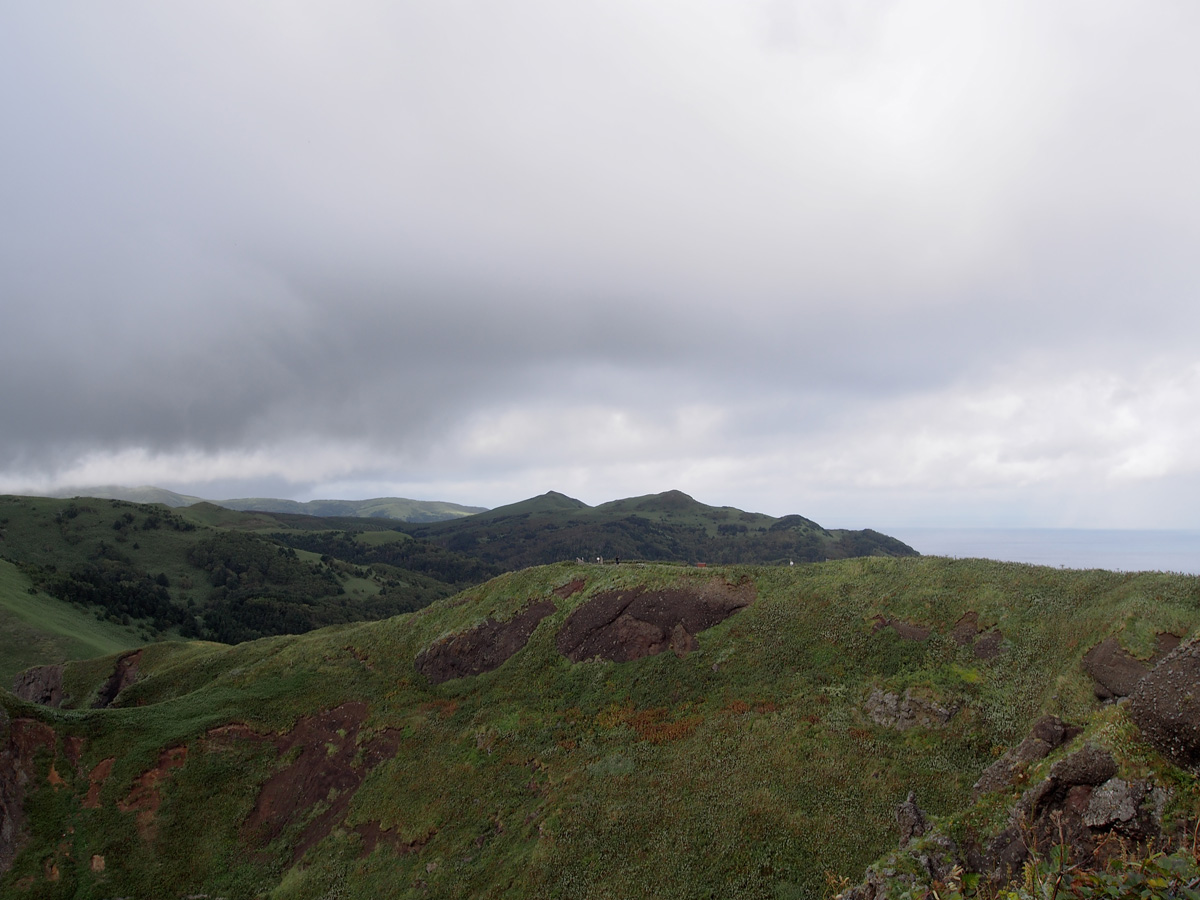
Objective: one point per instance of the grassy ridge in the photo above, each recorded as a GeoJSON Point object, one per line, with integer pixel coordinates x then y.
{"type": "Point", "coordinates": [747, 768]}
{"type": "Point", "coordinates": [659, 527]}
{"type": "Point", "coordinates": [219, 574]}
{"type": "Point", "coordinates": [381, 507]}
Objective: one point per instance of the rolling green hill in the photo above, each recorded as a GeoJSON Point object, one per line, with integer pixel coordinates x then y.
{"type": "Point", "coordinates": [114, 574]}
{"type": "Point", "coordinates": [660, 527]}
{"type": "Point", "coordinates": [129, 573]}
{"type": "Point", "coordinates": [585, 731]}
{"type": "Point", "coordinates": [379, 507]}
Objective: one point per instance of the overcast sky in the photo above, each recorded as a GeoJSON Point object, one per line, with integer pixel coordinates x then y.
{"type": "Point", "coordinates": [877, 263]}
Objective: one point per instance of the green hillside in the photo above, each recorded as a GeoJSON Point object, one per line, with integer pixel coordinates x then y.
{"type": "Point", "coordinates": [659, 527]}
{"type": "Point", "coordinates": [36, 628]}
{"type": "Point", "coordinates": [130, 573]}
{"type": "Point", "coordinates": [491, 745]}
{"type": "Point", "coordinates": [84, 577]}
{"type": "Point", "coordinates": [380, 507]}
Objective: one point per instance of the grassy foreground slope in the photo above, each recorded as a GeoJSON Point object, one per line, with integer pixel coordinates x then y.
{"type": "Point", "coordinates": [326, 765]}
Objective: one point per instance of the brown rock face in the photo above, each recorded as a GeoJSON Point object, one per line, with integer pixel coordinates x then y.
{"type": "Point", "coordinates": [906, 711]}
{"type": "Point", "coordinates": [1115, 672]}
{"type": "Point", "coordinates": [20, 740]}
{"type": "Point", "coordinates": [327, 765]}
{"type": "Point", "coordinates": [1048, 733]}
{"type": "Point", "coordinates": [630, 624]}
{"type": "Point", "coordinates": [907, 630]}
{"type": "Point", "coordinates": [1166, 706]}
{"type": "Point", "coordinates": [41, 684]}
{"type": "Point", "coordinates": [123, 675]}
{"type": "Point", "coordinates": [483, 648]}
{"type": "Point", "coordinates": [966, 632]}
{"type": "Point", "coordinates": [1091, 765]}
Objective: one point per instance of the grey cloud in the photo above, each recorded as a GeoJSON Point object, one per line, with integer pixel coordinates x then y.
{"type": "Point", "coordinates": [234, 227]}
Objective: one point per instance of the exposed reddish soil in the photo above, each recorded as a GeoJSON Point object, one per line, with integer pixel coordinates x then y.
{"type": "Point", "coordinates": [483, 648]}
{"type": "Point", "coordinates": [17, 769]}
{"type": "Point", "coordinates": [1115, 672]}
{"type": "Point", "coordinates": [123, 675]}
{"type": "Point", "coordinates": [96, 779]}
{"type": "Point", "coordinates": [569, 589]}
{"type": "Point", "coordinates": [630, 624]}
{"type": "Point", "coordinates": [41, 684]}
{"type": "Point", "coordinates": [328, 766]}
{"type": "Point", "coordinates": [967, 633]}
{"type": "Point", "coordinates": [146, 797]}
{"type": "Point", "coordinates": [988, 646]}
{"type": "Point", "coordinates": [906, 630]}
{"type": "Point", "coordinates": [966, 628]}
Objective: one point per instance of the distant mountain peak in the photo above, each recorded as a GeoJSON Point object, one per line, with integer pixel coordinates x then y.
{"type": "Point", "coordinates": [671, 500]}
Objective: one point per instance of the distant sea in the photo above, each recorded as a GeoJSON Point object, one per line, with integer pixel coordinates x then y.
{"type": "Point", "coordinates": [1073, 548]}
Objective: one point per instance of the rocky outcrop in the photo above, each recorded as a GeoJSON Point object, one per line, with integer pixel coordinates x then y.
{"type": "Point", "coordinates": [40, 684]}
{"type": "Point", "coordinates": [1048, 734]}
{"type": "Point", "coordinates": [986, 644]}
{"type": "Point", "coordinates": [483, 648]}
{"type": "Point", "coordinates": [1165, 705]}
{"type": "Point", "coordinates": [1116, 672]}
{"type": "Point", "coordinates": [630, 624]}
{"type": "Point", "coordinates": [892, 710]}
{"type": "Point", "coordinates": [1082, 803]}
{"type": "Point", "coordinates": [911, 819]}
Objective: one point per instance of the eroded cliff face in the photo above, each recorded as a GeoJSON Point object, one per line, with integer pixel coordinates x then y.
{"type": "Point", "coordinates": [637, 622]}
{"type": "Point", "coordinates": [20, 740]}
{"type": "Point", "coordinates": [483, 648]}
{"type": "Point", "coordinates": [40, 684]}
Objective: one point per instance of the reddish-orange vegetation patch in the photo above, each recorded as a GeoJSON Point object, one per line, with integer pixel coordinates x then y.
{"type": "Point", "coordinates": [482, 648]}
{"type": "Point", "coordinates": [650, 724]}
{"type": "Point", "coordinates": [328, 766]}
{"type": "Point", "coordinates": [96, 779]}
{"type": "Point", "coordinates": [569, 589]}
{"type": "Point", "coordinates": [631, 624]}
{"type": "Point", "coordinates": [146, 797]}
